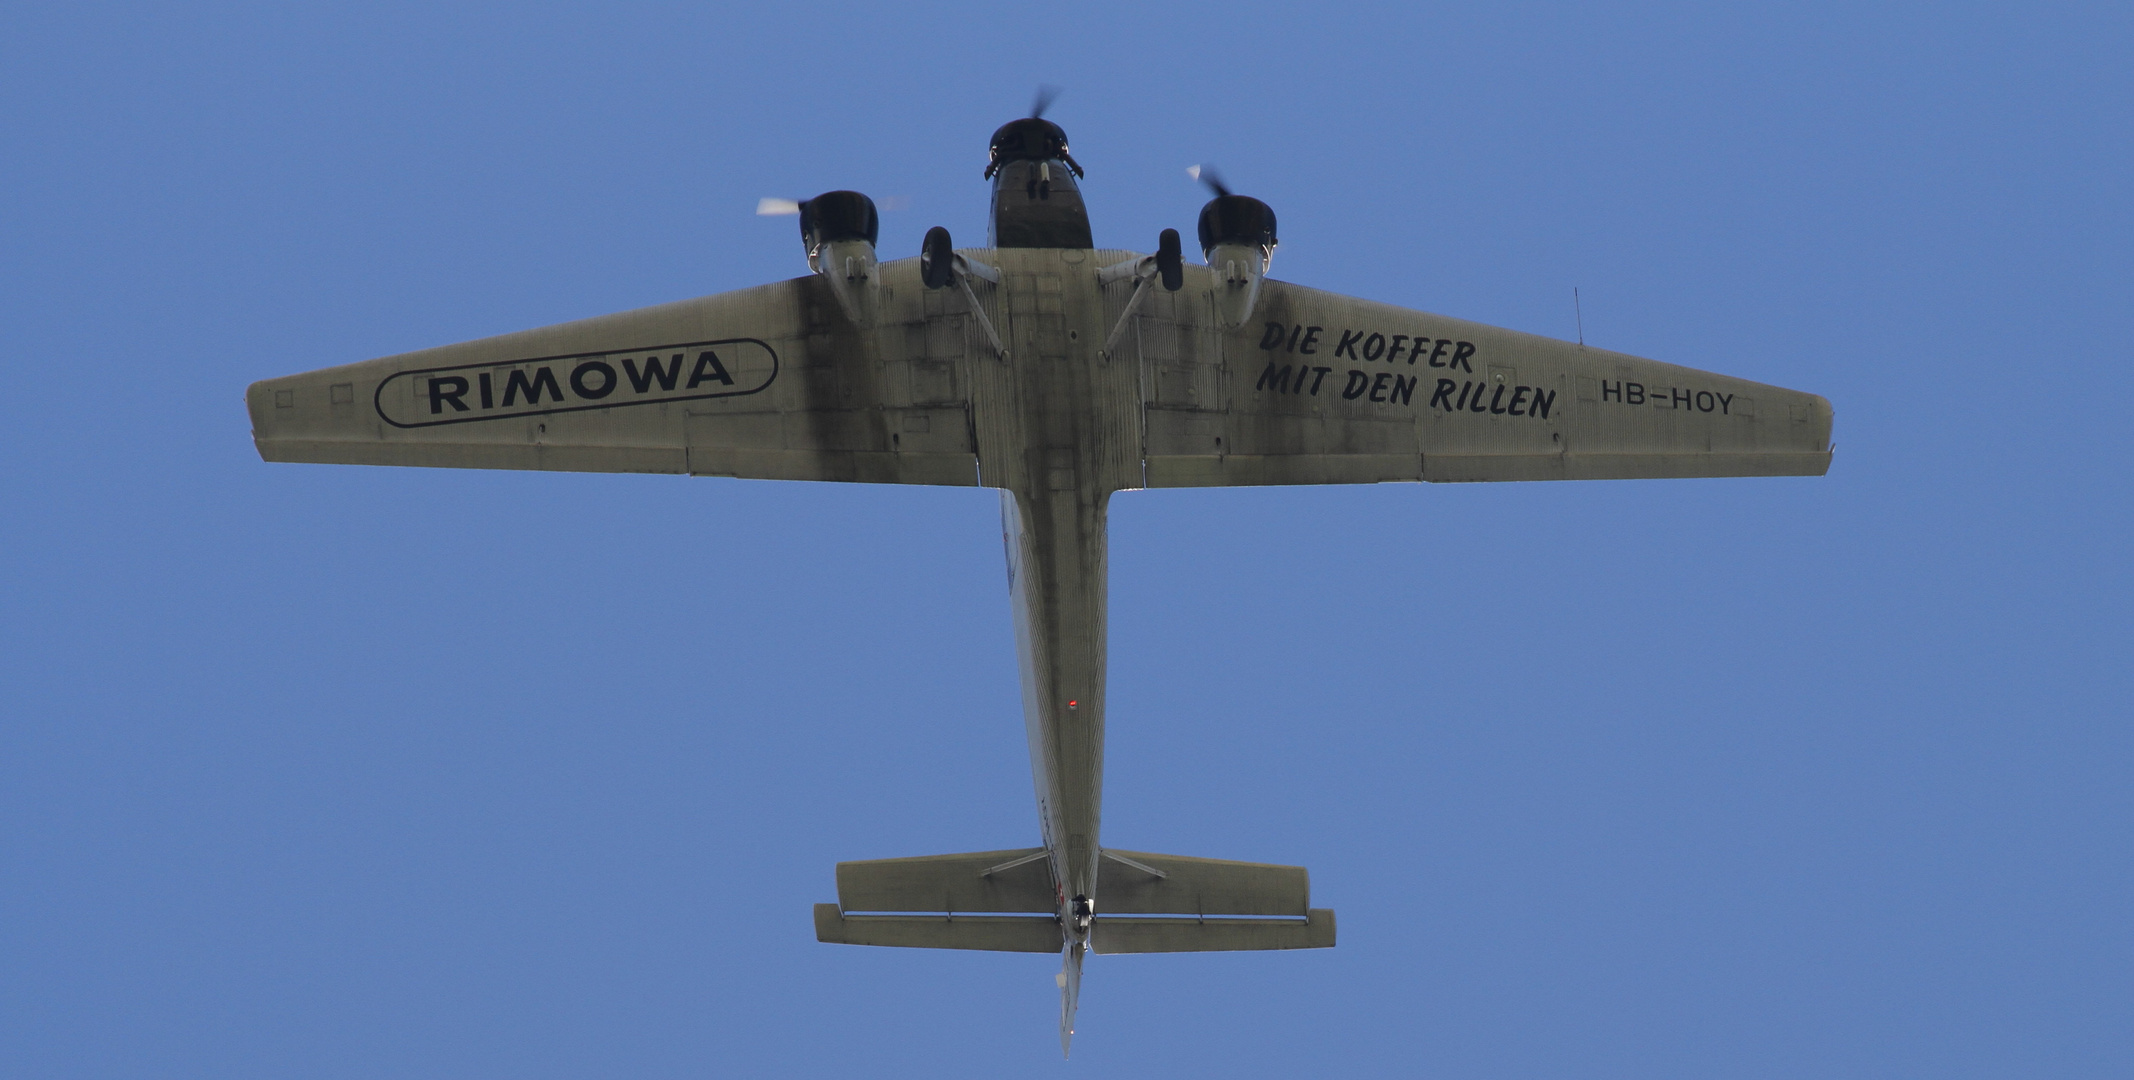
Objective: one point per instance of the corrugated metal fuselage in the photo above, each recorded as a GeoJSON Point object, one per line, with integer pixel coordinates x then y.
{"type": "Point", "coordinates": [1058, 429]}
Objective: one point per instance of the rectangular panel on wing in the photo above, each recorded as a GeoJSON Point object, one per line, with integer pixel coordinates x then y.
{"type": "Point", "coordinates": [879, 404]}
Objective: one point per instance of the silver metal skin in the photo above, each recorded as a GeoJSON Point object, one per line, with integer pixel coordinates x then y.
{"type": "Point", "coordinates": [1240, 269]}
{"type": "Point", "coordinates": [1057, 375]}
{"type": "Point", "coordinates": [1071, 414]}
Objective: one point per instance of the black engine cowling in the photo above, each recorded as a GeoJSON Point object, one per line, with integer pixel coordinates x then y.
{"type": "Point", "coordinates": [837, 215]}
{"type": "Point", "coordinates": [1029, 139]}
{"type": "Point", "coordinates": [1237, 219]}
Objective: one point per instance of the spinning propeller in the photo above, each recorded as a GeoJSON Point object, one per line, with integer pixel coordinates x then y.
{"type": "Point", "coordinates": [1046, 95]}
{"type": "Point", "coordinates": [1206, 175]}
{"type": "Point", "coordinates": [773, 207]}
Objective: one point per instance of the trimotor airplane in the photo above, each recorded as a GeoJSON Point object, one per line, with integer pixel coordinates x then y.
{"type": "Point", "coordinates": [1059, 373]}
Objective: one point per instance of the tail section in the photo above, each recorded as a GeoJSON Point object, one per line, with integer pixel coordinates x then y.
{"type": "Point", "coordinates": [965, 897]}
{"type": "Point", "coordinates": [1007, 901]}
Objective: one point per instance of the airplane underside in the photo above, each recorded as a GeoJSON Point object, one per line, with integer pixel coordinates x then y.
{"type": "Point", "coordinates": [1060, 420]}
{"type": "Point", "coordinates": [1074, 896]}
{"type": "Point", "coordinates": [1071, 434]}
{"type": "Point", "coordinates": [1059, 373]}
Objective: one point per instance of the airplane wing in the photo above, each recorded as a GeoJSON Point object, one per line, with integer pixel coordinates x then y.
{"type": "Point", "coordinates": [776, 383]}
{"type": "Point", "coordinates": [1323, 389]}
{"type": "Point", "coordinates": [771, 383]}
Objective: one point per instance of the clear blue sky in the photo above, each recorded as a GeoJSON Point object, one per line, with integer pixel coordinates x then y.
{"type": "Point", "coordinates": [344, 772]}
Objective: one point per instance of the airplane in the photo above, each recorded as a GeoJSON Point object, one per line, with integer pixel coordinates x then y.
{"type": "Point", "coordinates": [1057, 373]}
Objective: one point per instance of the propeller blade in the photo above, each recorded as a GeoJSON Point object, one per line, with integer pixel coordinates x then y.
{"type": "Point", "coordinates": [1206, 175]}
{"type": "Point", "coordinates": [1045, 95]}
{"type": "Point", "coordinates": [788, 207]}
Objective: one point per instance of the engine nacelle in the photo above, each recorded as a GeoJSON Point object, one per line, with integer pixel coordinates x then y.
{"type": "Point", "coordinates": [1237, 236]}
{"type": "Point", "coordinates": [1238, 220]}
{"type": "Point", "coordinates": [837, 217]}
{"type": "Point", "coordinates": [839, 229]}
{"type": "Point", "coordinates": [1031, 139]}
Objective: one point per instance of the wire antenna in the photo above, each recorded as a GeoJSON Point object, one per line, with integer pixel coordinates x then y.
{"type": "Point", "coordinates": [1578, 313]}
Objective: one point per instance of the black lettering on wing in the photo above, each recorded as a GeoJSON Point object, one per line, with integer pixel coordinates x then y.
{"type": "Point", "coordinates": [448, 389]}
{"type": "Point", "coordinates": [1404, 389]}
{"type": "Point", "coordinates": [1347, 344]}
{"type": "Point", "coordinates": [665, 376]}
{"type": "Point", "coordinates": [543, 379]}
{"type": "Point", "coordinates": [708, 369]}
{"type": "Point", "coordinates": [583, 387]}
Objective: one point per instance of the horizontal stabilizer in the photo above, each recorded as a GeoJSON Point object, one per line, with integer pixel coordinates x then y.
{"type": "Point", "coordinates": [1013, 880]}
{"type": "Point", "coordinates": [1020, 880]}
{"type": "Point", "coordinates": [1233, 905]}
{"type": "Point", "coordinates": [993, 933]}
{"type": "Point", "coordinates": [1144, 883]}
{"type": "Point", "coordinates": [1116, 934]}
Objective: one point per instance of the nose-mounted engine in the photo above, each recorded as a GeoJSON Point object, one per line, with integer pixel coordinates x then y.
{"type": "Point", "coordinates": [1237, 236]}
{"type": "Point", "coordinates": [1030, 139]}
{"type": "Point", "coordinates": [839, 229]}
{"type": "Point", "coordinates": [1036, 202]}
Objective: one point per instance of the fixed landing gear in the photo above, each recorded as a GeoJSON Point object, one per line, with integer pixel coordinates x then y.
{"type": "Point", "coordinates": [1170, 260]}
{"type": "Point", "coordinates": [940, 267]}
{"type": "Point", "coordinates": [937, 259]}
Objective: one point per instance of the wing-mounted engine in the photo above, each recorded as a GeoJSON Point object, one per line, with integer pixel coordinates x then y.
{"type": "Point", "coordinates": [839, 229]}
{"type": "Point", "coordinates": [1237, 236]}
